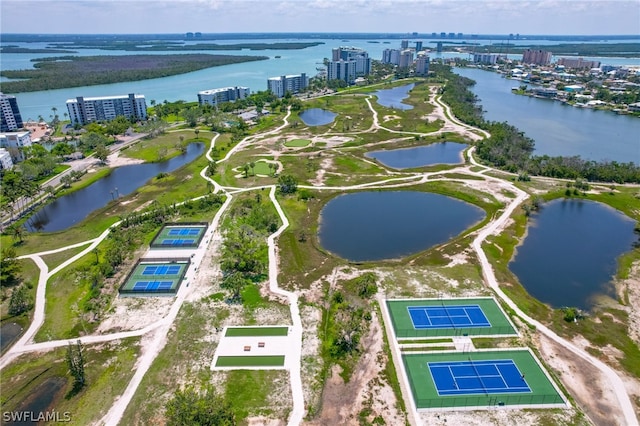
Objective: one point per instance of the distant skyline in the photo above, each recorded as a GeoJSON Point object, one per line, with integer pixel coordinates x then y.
{"type": "Point", "coordinates": [553, 17]}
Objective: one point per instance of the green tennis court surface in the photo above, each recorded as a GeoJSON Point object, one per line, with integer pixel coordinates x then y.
{"type": "Point", "coordinates": [256, 331]}
{"type": "Point", "coordinates": [176, 235]}
{"type": "Point", "coordinates": [448, 317]}
{"type": "Point", "coordinates": [479, 379]}
{"type": "Point", "coordinates": [155, 277]}
{"type": "Point", "coordinates": [251, 361]}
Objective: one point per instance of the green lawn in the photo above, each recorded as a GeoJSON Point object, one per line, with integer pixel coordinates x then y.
{"type": "Point", "coordinates": [251, 361]}
{"type": "Point", "coordinates": [262, 168]}
{"type": "Point", "coordinates": [256, 331]}
{"type": "Point", "coordinates": [297, 143]}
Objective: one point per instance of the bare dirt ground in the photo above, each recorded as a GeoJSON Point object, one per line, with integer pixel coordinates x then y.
{"type": "Point", "coordinates": [114, 160]}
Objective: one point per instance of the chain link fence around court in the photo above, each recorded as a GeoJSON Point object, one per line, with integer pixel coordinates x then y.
{"type": "Point", "coordinates": [489, 400]}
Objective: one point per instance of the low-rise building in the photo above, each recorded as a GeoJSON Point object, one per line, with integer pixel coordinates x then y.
{"type": "Point", "coordinates": [15, 142]}
{"type": "Point", "coordinates": [105, 108]}
{"type": "Point", "coordinates": [6, 163]}
{"type": "Point", "coordinates": [224, 94]}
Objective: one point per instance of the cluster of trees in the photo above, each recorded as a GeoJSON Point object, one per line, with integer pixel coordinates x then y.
{"type": "Point", "coordinates": [509, 149]}
{"type": "Point", "coordinates": [11, 281]}
{"type": "Point", "coordinates": [346, 319]}
{"type": "Point", "coordinates": [207, 408]}
{"type": "Point", "coordinates": [244, 252]}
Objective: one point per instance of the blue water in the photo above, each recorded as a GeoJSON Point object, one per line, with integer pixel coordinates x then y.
{"type": "Point", "coordinates": [317, 116]}
{"type": "Point", "coordinates": [570, 251]}
{"type": "Point", "coordinates": [71, 209]}
{"type": "Point", "coordinates": [556, 128]}
{"type": "Point", "coordinates": [405, 158]}
{"type": "Point", "coordinates": [369, 226]}
{"type": "Point", "coordinates": [392, 98]}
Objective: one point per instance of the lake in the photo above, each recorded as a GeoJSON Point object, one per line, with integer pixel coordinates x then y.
{"type": "Point", "coordinates": [317, 116]}
{"type": "Point", "coordinates": [570, 251]}
{"type": "Point", "coordinates": [72, 208]}
{"type": "Point", "coordinates": [392, 98]}
{"type": "Point", "coordinates": [556, 128]}
{"type": "Point", "coordinates": [436, 153]}
{"type": "Point", "coordinates": [377, 225]}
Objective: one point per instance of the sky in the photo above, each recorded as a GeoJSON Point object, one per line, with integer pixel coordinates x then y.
{"type": "Point", "coordinates": [561, 17]}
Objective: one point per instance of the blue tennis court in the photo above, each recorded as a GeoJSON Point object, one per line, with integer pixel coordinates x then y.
{"type": "Point", "coordinates": [161, 270]}
{"type": "Point", "coordinates": [152, 285]}
{"type": "Point", "coordinates": [477, 377]}
{"type": "Point", "coordinates": [184, 232]}
{"type": "Point", "coordinates": [447, 316]}
{"type": "Point", "coordinates": [178, 242]}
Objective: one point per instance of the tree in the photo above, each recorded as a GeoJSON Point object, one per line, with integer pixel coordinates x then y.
{"type": "Point", "coordinates": [287, 184]}
{"type": "Point", "coordinates": [17, 232]}
{"type": "Point", "coordinates": [188, 407]}
{"type": "Point", "coordinates": [253, 168]}
{"type": "Point", "coordinates": [20, 301]}
{"type": "Point", "coordinates": [102, 153]}
{"type": "Point", "coordinates": [197, 132]}
{"type": "Point", "coordinates": [11, 267]}
{"type": "Point", "coordinates": [66, 181]}
{"type": "Point", "coordinates": [75, 362]}
{"type": "Point", "coordinates": [211, 169]}
{"type": "Point", "coordinates": [235, 282]}
{"type": "Point", "coordinates": [191, 116]}
{"type": "Point", "coordinates": [245, 169]}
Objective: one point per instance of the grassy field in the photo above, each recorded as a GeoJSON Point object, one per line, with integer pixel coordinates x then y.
{"type": "Point", "coordinates": [257, 331]}
{"type": "Point", "coordinates": [251, 361]}
{"type": "Point", "coordinates": [108, 369]}
{"type": "Point", "coordinates": [167, 145]}
{"type": "Point", "coordinates": [297, 143]}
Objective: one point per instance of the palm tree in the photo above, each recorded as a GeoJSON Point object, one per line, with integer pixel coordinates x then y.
{"type": "Point", "coordinates": [196, 131]}
{"type": "Point", "coordinates": [245, 168]}
{"type": "Point", "coordinates": [253, 167]}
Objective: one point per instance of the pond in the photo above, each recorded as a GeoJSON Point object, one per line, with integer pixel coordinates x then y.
{"type": "Point", "coordinates": [405, 158]}
{"type": "Point", "coordinates": [392, 98]}
{"type": "Point", "coordinates": [72, 208]}
{"type": "Point", "coordinates": [9, 331]}
{"type": "Point", "coordinates": [317, 116]}
{"type": "Point", "coordinates": [569, 254]}
{"type": "Point", "coordinates": [43, 399]}
{"type": "Point", "coordinates": [376, 225]}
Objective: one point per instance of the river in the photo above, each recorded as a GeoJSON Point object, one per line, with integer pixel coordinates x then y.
{"type": "Point", "coordinates": [556, 128]}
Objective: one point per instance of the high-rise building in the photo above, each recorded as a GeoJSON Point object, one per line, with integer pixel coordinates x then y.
{"type": "Point", "coordinates": [15, 142]}
{"type": "Point", "coordinates": [10, 118]}
{"type": "Point", "coordinates": [536, 57]}
{"type": "Point", "coordinates": [422, 65]}
{"type": "Point", "coordinates": [279, 86]}
{"type": "Point", "coordinates": [404, 44]}
{"type": "Point", "coordinates": [225, 94]}
{"type": "Point", "coordinates": [418, 46]}
{"type": "Point", "coordinates": [106, 108]}
{"type": "Point", "coordinates": [391, 56]}
{"type": "Point", "coordinates": [406, 59]}
{"type": "Point", "coordinates": [360, 56]}
{"type": "Point", "coordinates": [486, 58]}
{"type": "Point", "coordinates": [6, 163]}
{"type": "Point", "coordinates": [342, 70]}
{"type": "Point", "coordinates": [578, 63]}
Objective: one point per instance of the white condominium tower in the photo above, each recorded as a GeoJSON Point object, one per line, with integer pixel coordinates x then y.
{"type": "Point", "coordinates": [105, 108]}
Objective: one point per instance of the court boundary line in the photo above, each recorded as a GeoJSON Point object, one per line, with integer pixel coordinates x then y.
{"type": "Point", "coordinates": [445, 307]}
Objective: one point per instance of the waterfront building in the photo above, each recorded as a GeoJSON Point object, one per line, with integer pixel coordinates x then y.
{"type": "Point", "coordinates": [486, 58]}
{"type": "Point", "coordinates": [6, 163]}
{"type": "Point", "coordinates": [422, 65]}
{"type": "Point", "coordinates": [10, 118]}
{"type": "Point", "coordinates": [391, 56]}
{"type": "Point", "coordinates": [342, 70]}
{"type": "Point", "coordinates": [536, 57]}
{"type": "Point", "coordinates": [406, 59]}
{"type": "Point", "coordinates": [578, 63]}
{"type": "Point", "coordinates": [418, 46]}
{"type": "Point", "coordinates": [360, 56]}
{"type": "Point", "coordinates": [105, 108]}
{"type": "Point", "coordinates": [279, 86]}
{"type": "Point", "coordinates": [15, 142]}
{"type": "Point", "coordinates": [404, 44]}
{"type": "Point", "coordinates": [224, 94]}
